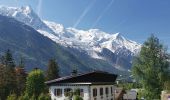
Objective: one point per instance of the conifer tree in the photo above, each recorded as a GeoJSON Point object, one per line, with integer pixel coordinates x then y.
{"type": "Point", "coordinates": [150, 68]}
{"type": "Point", "coordinates": [3, 93]}
{"type": "Point", "coordinates": [9, 74]}
{"type": "Point", "coordinates": [74, 71]}
{"type": "Point", "coordinates": [52, 70]}
{"type": "Point", "coordinates": [20, 76]}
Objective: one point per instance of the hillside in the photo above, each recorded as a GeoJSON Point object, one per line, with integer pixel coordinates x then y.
{"type": "Point", "coordinates": [37, 49]}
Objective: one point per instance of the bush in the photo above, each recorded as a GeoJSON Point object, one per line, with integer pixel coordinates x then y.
{"type": "Point", "coordinates": [24, 97]}
{"type": "Point", "coordinates": [35, 83]}
{"type": "Point", "coordinates": [33, 97]}
{"type": "Point", "coordinates": [44, 97]}
{"type": "Point", "coordinates": [77, 97]}
{"type": "Point", "coordinates": [12, 97]}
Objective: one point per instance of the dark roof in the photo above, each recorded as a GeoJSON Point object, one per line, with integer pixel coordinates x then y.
{"type": "Point", "coordinates": [95, 77]}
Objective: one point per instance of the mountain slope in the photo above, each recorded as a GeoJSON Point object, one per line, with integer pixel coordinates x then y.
{"type": "Point", "coordinates": [24, 40]}
{"type": "Point", "coordinates": [37, 49]}
{"type": "Point", "coordinates": [113, 49]}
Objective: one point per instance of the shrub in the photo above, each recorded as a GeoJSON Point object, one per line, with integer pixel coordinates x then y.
{"type": "Point", "coordinates": [44, 97]}
{"type": "Point", "coordinates": [77, 97]}
{"type": "Point", "coordinates": [12, 97]}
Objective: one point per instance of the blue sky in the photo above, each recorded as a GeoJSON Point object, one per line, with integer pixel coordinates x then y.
{"type": "Point", "coordinates": [134, 19]}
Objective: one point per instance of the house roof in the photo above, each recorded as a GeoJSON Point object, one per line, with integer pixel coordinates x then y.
{"type": "Point", "coordinates": [95, 77]}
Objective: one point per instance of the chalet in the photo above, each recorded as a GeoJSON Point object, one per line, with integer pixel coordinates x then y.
{"type": "Point", "coordinates": [95, 85]}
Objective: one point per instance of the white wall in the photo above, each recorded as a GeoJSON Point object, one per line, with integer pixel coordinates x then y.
{"type": "Point", "coordinates": [88, 91]}
{"type": "Point", "coordinates": [110, 96]}
{"type": "Point", "coordinates": [84, 87]}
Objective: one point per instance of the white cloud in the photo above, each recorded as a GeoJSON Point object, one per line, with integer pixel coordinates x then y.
{"type": "Point", "coordinates": [86, 10]}
{"type": "Point", "coordinates": [39, 7]}
{"type": "Point", "coordinates": [102, 13]}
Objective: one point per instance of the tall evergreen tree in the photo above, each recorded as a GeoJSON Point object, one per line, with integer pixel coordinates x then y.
{"type": "Point", "coordinates": [8, 80]}
{"type": "Point", "coordinates": [20, 76]}
{"type": "Point", "coordinates": [74, 71]}
{"type": "Point", "coordinates": [10, 71]}
{"type": "Point", "coordinates": [8, 59]}
{"type": "Point", "coordinates": [21, 62]}
{"type": "Point", "coordinates": [52, 70]}
{"type": "Point", "coordinates": [3, 93]}
{"type": "Point", "coordinates": [150, 68]}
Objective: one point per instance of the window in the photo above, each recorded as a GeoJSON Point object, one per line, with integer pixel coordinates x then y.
{"type": "Point", "coordinates": [67, 92]}
{"type": "Point", "coordinates": [94, 92]}
{"type": "Point", "coordinates": [81, 92]}
{"type": "Point", "coordinates": [55, 92]}
{"type": "Point", "coordinates": [58, 92]}
{"type": "Point", "coordinates": [101, 91]}
{"type": "Point", "coordinates": [106, 91]}
{"type": "Point", "coordinates": [111, 90]}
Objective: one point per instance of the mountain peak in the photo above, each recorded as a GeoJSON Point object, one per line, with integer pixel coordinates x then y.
{"type": "Point", "coordinates": [118, 36]}
{"type": "Point", "coordinates": [26, 8]}
{"type": "Point", "coordinates": [92, 40]}
{"type": "Point", "coordinates": [16, 11]}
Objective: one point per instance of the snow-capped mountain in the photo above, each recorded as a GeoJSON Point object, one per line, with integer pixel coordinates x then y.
{"type": "Point", "coordinates": [93, 42]}
{"type": "Point", "coordinates": [25, 15]}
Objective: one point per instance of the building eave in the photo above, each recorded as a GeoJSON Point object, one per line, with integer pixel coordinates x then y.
{"type": "Point", "coordinates": [88, 78]}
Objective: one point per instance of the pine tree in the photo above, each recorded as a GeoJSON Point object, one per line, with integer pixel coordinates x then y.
{"type": "Point", "coordinates": [52, 70]}
{"type": "Point", "coordinates": [3, 93]}
{"type": "Point", "coordinates": [21, 77]}
{"type": "Point", "coordinates": [74, 71]}
{"type": "Point", "coordinates": [150, 68]}
{"type": "Point", "coordinates": [21, 62]}
{"type": "Point", "coordinates": [8, 78]}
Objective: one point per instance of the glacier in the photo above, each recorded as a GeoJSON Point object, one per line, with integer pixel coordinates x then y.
{"type": "Point", "coordinates": [93, 41]}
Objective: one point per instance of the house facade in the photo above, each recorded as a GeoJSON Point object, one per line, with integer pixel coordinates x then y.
{"type": "Point", "coordinates": [91, 86]}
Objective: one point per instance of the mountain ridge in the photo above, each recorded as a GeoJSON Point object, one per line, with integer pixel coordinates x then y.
{"type": "Point", "coordinates": [37, 49]}
{"type": "Point", "coordinates": [92, 42]}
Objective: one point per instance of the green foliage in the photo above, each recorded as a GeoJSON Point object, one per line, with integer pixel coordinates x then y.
{"type": "Point", "coordinates": [74, 71]}
{"type": "Point", "coordinates": [35, 83]}
{"type": "Point", "coordinates": [8, 59]}
{"type": "Point", "coordinates": [33, 97]}
{"type": "Point", "coordinates": [140, 94]}
{"type": "Point", "coordinates": [167, 86]}
{"type": "Point", "coordinates": [13, 80]}
{"type": "Point", "coordinates": [77, 92]}
{"type": "Point", "coordinates": [52, 70]}
{"type": "Point", "coordinates": [129, 86]}
{"type": "Point", "coordinates": [44, 97]}
{"type": "Point", "coordinates": [21, 62]}
{"type": "Point", "coordinates": [7, 76]}
{"type": "Point", "coordinates": [20, 76]}
{"type": "Point", "coordinates": [24, 97]}
{"type": "Point", "coordinates": [20, 80]}
{"type": "Point", "coordinates": [3, 92]}
{"type": "Point", "coordinates": [12, 97]}
{"type": "Point", "coordinates": [77, 97]}
{"type": "Point", "coordinates": [150, 68]}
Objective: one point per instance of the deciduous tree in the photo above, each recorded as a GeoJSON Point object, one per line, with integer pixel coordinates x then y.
{"type": "Point", "coordinates": [35, 83]}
